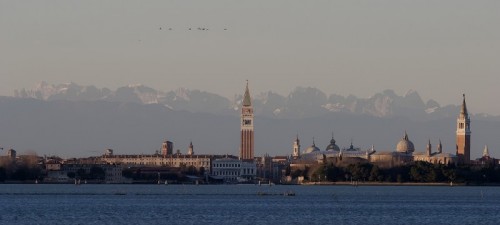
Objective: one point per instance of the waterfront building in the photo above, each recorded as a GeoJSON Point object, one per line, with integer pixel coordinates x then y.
{"type": "Point", "coordinates": [463, 134]}
{"type": "Point", "coordinates": [165, 160]}
{"type": "Point", "coordinates": [331, 154]}
{"type": "Point", "coordinates": [247, 127]}
{"type": "Point", "coordinates": [12, 154]}
{"type": "Point", "coordinates": [233, 170]}
{"type": "Point", "coordinates": [52, 165]}
{"type": "Point", "coordinates": [403, 154]}
{"type": "Point", "coordinates": [315, 154]}
{"type": "Point", "coordinates": [114, 175]}
{"type": "Point", "coordinates": [152, 160]}
{"type": "Point", "coordinates": [437, 157]}
{"type": "Point", "coordinates": [57, 176]}
{"type": "Point", "coordinates": [486, 159]}
{"type": "Point", "coordinates": [271, 169]}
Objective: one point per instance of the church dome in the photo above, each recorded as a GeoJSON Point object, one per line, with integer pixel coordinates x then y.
{"type": "Point", "coordinates": [405, 145]}
{"type": "Point", "coordinates": [312, 148]}
{"type": "Point", "coordinates": [332, 146]}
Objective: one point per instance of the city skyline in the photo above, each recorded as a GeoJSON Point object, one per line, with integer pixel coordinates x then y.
{"type": "Point", "coordinates": [247, 134]}
{"type": "Point", "coordinates": [440, 49]}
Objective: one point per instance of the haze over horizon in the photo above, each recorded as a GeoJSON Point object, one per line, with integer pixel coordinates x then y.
{"type": "Point", "coordinates": [439, 48]}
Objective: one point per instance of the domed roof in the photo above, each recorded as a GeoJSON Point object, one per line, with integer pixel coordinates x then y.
{"type": "Point", "coordinates": [332, 146]}
{"type": "Point", "coordinates": [312, 148]}
{"type": "Point", "coordinates": [405, 145]}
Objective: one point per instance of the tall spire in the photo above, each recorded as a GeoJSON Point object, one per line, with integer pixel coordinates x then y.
{"type": "Point", "coordinates": [463, 110]}
{"type": "Point", "coordinates": [486, 152]}
{"type": "Point", "coordinates": [333, 140]}
{"type": "Point", "coordinates": [429, 148]}
{"type": "Point", "coordinates": [463, 134]}
{"type": "Point", "coordinates": [246, 98]}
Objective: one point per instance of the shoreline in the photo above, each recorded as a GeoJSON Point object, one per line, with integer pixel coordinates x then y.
{"type": "Point", "coordinates": [339, 183]}
{"type": "Point", "coordinates": [347, 183]}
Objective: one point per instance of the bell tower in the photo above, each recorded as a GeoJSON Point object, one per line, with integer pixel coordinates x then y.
{"type": "Point", "coordinates": [247, 127]}
{"type": "Point", "coordinates": [463, 135]}
{"type": "Point", "coordinates": [296, 148]}
{"type": "Point", "coordinates": [190, 149]}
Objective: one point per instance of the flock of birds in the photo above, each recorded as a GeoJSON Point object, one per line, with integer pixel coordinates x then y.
{"type": "Point", "coordinates": [199, 28]}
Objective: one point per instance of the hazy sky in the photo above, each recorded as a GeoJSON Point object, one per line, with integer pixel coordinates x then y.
{"type": "Point", "coordinates": [439, 48]}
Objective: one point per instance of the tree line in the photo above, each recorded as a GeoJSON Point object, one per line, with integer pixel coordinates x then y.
{"type": "Point", "coordinates": [25, 168]}
{"type": "Point", "coordinates": [419, 172]}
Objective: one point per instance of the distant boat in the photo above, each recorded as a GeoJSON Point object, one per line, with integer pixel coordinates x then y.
{"type": "Point", "coordinates": [166, 182]}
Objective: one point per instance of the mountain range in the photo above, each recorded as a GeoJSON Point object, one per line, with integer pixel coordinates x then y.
{"type": "Point", "coordinates": [302, 102]}
{"type": "Point", "coordinates": [74, 120]}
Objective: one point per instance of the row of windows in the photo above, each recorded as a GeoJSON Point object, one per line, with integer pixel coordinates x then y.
{"type": "Point", "coordinates": [227, 173]}
{"type": "Point", "coordinates": [166, 164]}
{"type": "Point", "coordinates": [233, 172]}
{"type": "Point", "coordinates": [247, 171]}
{"type": "Point", "coordinates": [227, 165]}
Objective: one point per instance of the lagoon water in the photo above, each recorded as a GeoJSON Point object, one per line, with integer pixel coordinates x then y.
{"type": "Point", "coordinates": [241, 204]}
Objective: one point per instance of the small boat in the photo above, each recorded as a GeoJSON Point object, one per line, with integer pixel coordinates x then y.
{"type": "Point", "coordinates": [289, 193]}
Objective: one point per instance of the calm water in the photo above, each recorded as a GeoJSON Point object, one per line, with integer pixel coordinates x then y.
{"type": "Point", "coordinates": [240, 204]}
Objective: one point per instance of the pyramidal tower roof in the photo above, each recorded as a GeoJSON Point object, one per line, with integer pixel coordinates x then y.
{"type": "Point", "coordinates": [463, 110]}
{"type": "Point", "coordinates": [486, 152]}
{"type": "Point", "coordinates": [246, 98]}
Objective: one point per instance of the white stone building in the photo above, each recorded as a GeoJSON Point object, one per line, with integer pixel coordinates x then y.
{"type": "Point", "coordinates": [233, 170]}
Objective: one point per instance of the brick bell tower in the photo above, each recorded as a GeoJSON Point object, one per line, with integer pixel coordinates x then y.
{"type": "Point", "coordinates": [247, 129]}
{"type": "Point", "coordinates": [463, 135]}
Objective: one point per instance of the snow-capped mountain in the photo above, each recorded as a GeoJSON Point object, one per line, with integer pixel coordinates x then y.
{"type": "Point", "coordinates": [302, 102]}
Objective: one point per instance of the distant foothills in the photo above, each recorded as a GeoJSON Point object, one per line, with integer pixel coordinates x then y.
{"type": "Point", "coordinates": [402, 163]}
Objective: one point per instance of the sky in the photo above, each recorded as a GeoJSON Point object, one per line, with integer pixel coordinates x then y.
{"type": "Point", "coordinates": [439, 48]}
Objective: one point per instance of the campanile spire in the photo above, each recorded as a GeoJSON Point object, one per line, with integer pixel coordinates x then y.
{"type": "Point", "coordinates": [463, 134]}
{"type": "Point", "coordinates": [247, 127]}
